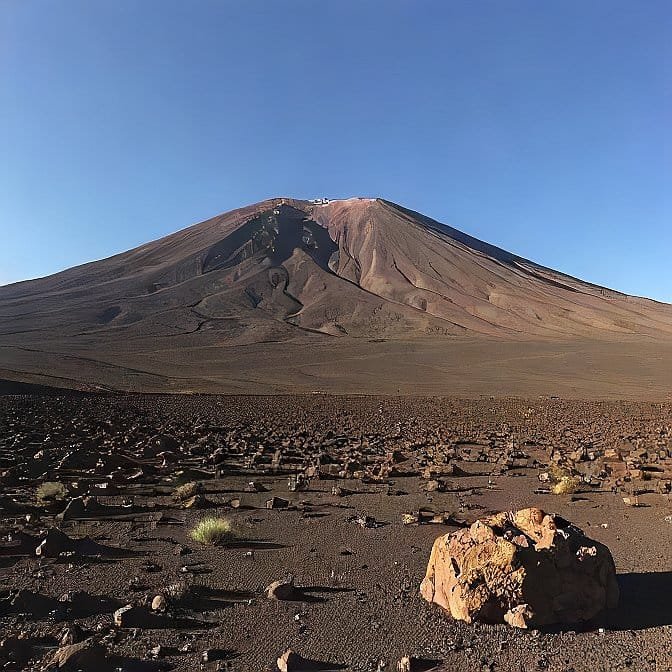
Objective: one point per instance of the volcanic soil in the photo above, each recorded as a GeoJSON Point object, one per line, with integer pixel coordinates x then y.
{"type": "Point", "coordinates": [360, 464]}
{"type": "Point", "coordinates": [286, 296]}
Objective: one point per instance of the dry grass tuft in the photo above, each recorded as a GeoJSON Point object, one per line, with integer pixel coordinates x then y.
{"type": "Point", "coordinates": [566, 485]}
{"type": "Point", "coordinates": [564, 482]}
{"type": "Point", "coordinates": [212, 531]}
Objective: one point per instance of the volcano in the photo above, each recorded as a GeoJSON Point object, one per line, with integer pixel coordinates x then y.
{"type": "Point", "coordinates": [355, 295]}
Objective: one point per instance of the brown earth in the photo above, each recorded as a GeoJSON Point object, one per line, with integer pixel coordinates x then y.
{"type": "Point", "coordinates": [355, 296]}
{"type": "Point", "coordinates": [357, 561]}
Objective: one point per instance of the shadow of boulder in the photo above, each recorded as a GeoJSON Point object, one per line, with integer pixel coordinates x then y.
{"type": "Point", "coordinates": [644, 602]}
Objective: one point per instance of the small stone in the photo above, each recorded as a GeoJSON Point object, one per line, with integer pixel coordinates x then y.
{"type": "Point", "coordinates": [84, 655]}
{"type": "Point", "coordinates": [404, 665]}
{"type": "Point", "coordinates": [54, 543]}
{"type": "Point", "coordinates": [435, 485]}
{"type": "Point", "coordinates": [281, 590]}
{"type": "Point", "coordinates": [211, 655]}
{"type": "Point", "coordinates": [71, 635]}
{"type": "Point", "coordinates": [159, 603]}
{"type": "Point", "coordinates": [196, 502]}
{"type": "Point", "coordinates": [131, 616]}
{"type": "Point", "coordinates": [290, 661]}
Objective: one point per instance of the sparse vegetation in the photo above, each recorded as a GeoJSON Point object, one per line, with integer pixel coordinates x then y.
{"type": "Point", "coordinates": [566, 485]}
{"type": "Point", "coordinates": [51, 491]}
{"type": "Point", "coordinates": [212, 531]}
{"type": "Point", "coordinates": [187, 491]}
{"type": "Point", "coordinates": [564, 482]}
{"type": "Point", "coordinates": [231, 563]}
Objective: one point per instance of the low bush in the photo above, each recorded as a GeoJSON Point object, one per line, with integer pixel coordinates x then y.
{"type": "Point", "coordinates": [212, 531]}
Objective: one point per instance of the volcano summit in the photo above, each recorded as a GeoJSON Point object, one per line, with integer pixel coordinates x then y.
{"type": "Point", "coordinates": [356, 295]}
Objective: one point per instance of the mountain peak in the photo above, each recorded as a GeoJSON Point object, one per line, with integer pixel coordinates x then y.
{"type": "Point", "coordinates": [289, 270]}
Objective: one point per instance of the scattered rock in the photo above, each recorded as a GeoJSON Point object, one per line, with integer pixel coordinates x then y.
{"type": "Point", "coordinates": [404, 665]}
{"type": "Point", "coordinates": [435, 485]}
{"type": "Point", "coordinates": [196, 502]}
{"type": "Point", "coordinates": [55, 543]}
{"type": "Point", "coordinates": [132, 617]}
{"type": "Point", "coordinates": [255, 486]}
{"type": "Point", "coordinates": [72, 635]}
{"type": "Point", "coordinates": [212, 655]}
{"type": "Point", "coordinates": [366, 521]}
{"type": "Point", "coordinates": [277, 503]}
{"type": "Point", "coordinates": [157, 652]}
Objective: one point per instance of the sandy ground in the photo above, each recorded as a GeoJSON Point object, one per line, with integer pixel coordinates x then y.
{"type": "Point", "coordinates": [359, 602]}
{"type": "Point", "coordinates": [638, 370]}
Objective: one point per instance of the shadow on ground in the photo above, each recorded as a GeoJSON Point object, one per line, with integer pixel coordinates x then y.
{"type": "Point", "coordinates": [644, 602]}
{"type": "Point", "coordinates": [304, 593]}
{"type": "Point", "coordinates": [254, 545]}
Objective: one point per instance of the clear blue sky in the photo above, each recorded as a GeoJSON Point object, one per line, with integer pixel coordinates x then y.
{"type": "Point", "coordinates": [542, 127]}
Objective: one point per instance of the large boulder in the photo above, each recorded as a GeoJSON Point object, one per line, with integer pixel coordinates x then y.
{"type": "Point", "coordinates": [525, 568]}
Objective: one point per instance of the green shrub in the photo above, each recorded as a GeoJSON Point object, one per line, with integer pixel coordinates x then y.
{"type": "Point", "coordinates": [212, 531]}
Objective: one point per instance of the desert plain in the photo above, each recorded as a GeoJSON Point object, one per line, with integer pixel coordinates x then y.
{"type": "Point", "coordinates": [384, 476]}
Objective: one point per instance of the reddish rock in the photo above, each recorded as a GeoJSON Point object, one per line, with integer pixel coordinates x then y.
{"type": "Point", "coordinates": [525, 568]}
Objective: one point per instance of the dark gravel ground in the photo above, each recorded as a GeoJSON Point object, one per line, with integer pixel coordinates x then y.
{"type": "Point", "coordinates": [360, 602]}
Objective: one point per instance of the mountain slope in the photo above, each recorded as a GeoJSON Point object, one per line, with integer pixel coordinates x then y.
{"type": "Point", "coordinates": [412, 260]}
{"type": "Point", "coordinates": [290, 272]}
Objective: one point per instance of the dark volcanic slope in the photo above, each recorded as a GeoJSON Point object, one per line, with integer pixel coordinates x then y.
{"type": "Point", "coordinates": [178, 313]}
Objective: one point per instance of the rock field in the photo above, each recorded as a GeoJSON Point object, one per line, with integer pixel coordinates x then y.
{"type": "Point", "coordinates": [317, 519]}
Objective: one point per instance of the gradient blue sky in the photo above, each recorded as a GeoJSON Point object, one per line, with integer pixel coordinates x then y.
{"type": "Point", "coordinates": [542, 127]}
